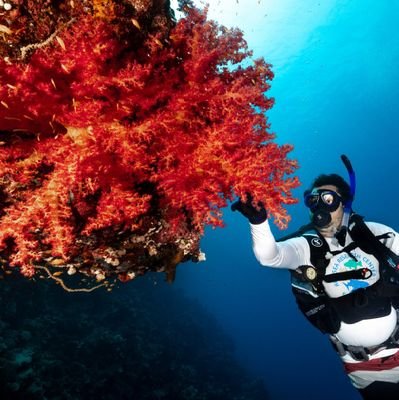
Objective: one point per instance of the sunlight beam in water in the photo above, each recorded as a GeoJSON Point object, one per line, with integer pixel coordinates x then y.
{"type": "Point", "coordinates": [275, 29]}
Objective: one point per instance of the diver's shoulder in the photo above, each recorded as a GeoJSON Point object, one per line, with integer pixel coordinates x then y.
{"type": "Point", "coordinates": [378, 228]}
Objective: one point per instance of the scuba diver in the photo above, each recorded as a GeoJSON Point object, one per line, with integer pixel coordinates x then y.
{"type": "Point", "coordinates": [345, 278]}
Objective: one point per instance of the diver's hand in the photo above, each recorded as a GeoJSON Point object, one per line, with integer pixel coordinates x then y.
{"type": "Point", "coordinates": [254, 215]}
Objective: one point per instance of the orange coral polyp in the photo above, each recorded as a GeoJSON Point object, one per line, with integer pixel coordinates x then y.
{"type": "Point", "coordinates": [107, 144]}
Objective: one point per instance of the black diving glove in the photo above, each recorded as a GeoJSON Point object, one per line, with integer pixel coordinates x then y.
{"type": "Point", "coordinates": [254, 216]}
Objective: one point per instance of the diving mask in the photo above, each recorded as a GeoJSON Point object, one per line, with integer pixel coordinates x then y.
{"type": "Point", "coordinates": [322, 202]}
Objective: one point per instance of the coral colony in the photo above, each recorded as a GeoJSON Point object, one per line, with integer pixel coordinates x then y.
{"type": "Point", "coordinates": [123, 133]}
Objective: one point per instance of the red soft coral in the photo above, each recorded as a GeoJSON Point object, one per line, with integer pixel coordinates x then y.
{"type": "Point", "coordinates": [116, 155]}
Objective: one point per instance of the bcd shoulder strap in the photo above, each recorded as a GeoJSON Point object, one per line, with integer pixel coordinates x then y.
{"type": "Point", "coordinates": [307, 287]}
{"type": "Point", "coordinates": [312, 274]}
{"type": "Point", "coordinates": [387, 259]}
{"type": "Point", "coordinates": [370, 243]}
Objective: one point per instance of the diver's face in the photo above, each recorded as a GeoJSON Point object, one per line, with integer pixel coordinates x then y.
{"type": "Point", "coordinates": [331, 227]}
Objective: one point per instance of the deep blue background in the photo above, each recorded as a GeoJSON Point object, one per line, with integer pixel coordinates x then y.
{"type": "Point", "coordinates": [336, 87]}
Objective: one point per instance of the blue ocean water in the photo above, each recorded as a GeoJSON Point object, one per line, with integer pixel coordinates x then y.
{"type": "Point", "coordinates": [335, 87]}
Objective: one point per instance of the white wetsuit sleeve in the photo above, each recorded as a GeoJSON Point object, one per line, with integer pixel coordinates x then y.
{"type": "Point", "coordinates": [289, 254]}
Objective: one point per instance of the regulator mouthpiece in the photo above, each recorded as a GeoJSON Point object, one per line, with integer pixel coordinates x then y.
{"type": "Point", "coordinates": [321, 218]}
